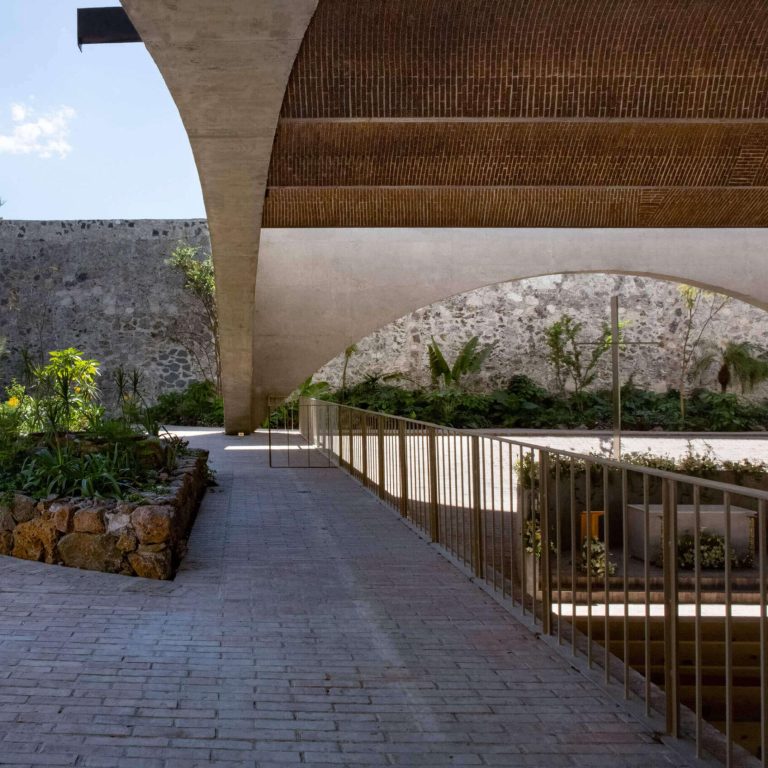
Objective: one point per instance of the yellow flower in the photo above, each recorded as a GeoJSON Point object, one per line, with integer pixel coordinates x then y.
{"type": "Point", "coordinates": [14, 402]}
{"type": "Point", "coordinates": [77, 389]}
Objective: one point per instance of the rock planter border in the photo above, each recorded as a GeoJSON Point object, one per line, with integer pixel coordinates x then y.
{"type": "Point", "coordinates": [136, 538]}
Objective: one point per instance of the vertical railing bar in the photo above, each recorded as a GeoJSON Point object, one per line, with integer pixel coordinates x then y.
{"type": "Point", "coordinates": [501, 519]}
{"type": "Point", "coordinates": [572, 488]}
{"type": "Point", "coordinates": [647, 595]}
{"type": "Point", "coordinates": [671, 633]}
{"type": "Point", "coordinates": [476, 507]}
{"type": "Point", "coordinates": [728, 635]}
{"type": "Point", "coordinates": [546, 569]}
{"type": "Point", "coordinates": [762, 538]}
{"type": "Point", "coordinates": [453, 495]}
{"type": "Point", "coordinates": [466, 497]}
{"type": "Point", "coordinates": [483, 504]}
{"type": "Point", "coordinates": [558, 548]}
{"type": "Point", "coordinates": [493, 514]}
{"type": "Point", "coordinates": [535, 501]}
{"type": "Point", "coordinates": [445, 526]}
{"type": "Point", "coordinates": [381, 456]}
{"type": "Point", "coordinates": [625, 576]}
{"type": "Point", "coordinates": [524, 504]}
{"type": "Point", "coordinates": [697, 616]}
{"type": "Point", "coordinates": [588, 503]}
{"type": "Point", "coordinates": [403, 464]}
{"type": "Point", "coordinates": [364, 438]}
{"type": "Point", "coordinates": [351, 426]}
{"type": "Point", "coordinates": [607, 576]}
{"type": "Point", "coordinates": [433, 486]}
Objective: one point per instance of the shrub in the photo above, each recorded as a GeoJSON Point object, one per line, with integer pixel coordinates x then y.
{"type": "Point", "coordinates": [712, 551]}
{"type": "Point", "coordinates": [196, 406]}
{"type": "Point", "coordinates": [596, 560]}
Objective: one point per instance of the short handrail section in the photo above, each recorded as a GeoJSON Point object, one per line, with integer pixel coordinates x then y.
{"type": "Point", "coordinates": [657, 577]}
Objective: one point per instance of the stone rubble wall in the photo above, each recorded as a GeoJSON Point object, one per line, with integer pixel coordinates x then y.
{"type": "Point", "coordinates": [512, 317]}
{"type": "Point", "coordinates": [146, 538]}
{"type": "Point", "coordinates": [103, 286]}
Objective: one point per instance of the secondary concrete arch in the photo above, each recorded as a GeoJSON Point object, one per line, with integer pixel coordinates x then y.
{"type": "Point", "coordinates": [321, 290]}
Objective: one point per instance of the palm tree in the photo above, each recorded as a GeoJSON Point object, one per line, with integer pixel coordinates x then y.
{"type": "Point", "coordinates": [738, 361]}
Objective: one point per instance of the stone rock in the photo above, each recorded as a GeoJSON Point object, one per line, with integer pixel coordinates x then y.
{"type": "Point", "coordinates": [6, 542]}
{"type": "Point", "coordinates": [60, 514]}
{"type": "Point", "coordinates": [35, 540]}
{"type": "Point", "coordinates": [154, 547]}
{"type": "Point", "coordinates": [127, 541]}
{"type": "Point", "coordinates": [23, 508]}
{"type": "Point", "coordinates": [118, 522]}
{"type": "Point", "coordinates": [92, 551]}
{"type": "Point", "coordinates": [152, 523]}
{"type": "Point", "coordinates": [7, 523]}
{"type": "Point", "coordinates": [90, 520]}
{"type": "Point", "coordinates": [125, 507]}
{"type": "Point", "coordinates": [151, 565]}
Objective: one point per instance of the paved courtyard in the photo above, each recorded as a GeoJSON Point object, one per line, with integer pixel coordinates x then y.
{"type": "Point", "coordinates": [307, 626]}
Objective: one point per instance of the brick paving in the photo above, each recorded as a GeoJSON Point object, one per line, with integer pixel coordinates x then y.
{"type": "Point", "coordinates": [307, 625]}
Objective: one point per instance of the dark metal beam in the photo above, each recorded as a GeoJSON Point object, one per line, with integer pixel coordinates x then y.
{"type": "Point", "coordinates": [104, 25]}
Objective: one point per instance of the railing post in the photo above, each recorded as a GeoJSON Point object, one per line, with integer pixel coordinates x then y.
{"type": "Point", "coordinates": [402, 452]}
{"type": "Point", "coordinates": [476, 528]}
{"type": "Point", "coordinates": [434, 517]}
{"type": "Point", "coordinates": [381, 457]}
{"type": "Point", "coordinates": [546, 593]}
{"type": "Point", "coordinates": [364, 438]}
{"type": "Point", "coordinates": [340, 429]}
{"type": "Point", "coordinates": [671, 622]}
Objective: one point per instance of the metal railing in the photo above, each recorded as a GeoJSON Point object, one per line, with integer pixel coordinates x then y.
{"type": "Point", "coordinates": [593, 551]}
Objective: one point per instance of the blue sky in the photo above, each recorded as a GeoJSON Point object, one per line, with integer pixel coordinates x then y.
{"type": "Point", "coordinates": [89, 135]}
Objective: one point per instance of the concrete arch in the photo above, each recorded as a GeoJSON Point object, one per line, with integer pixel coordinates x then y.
{"type": "Point", "coordinates": [226, 64]}
{"type": "Point", "coordinates": [320, 290]}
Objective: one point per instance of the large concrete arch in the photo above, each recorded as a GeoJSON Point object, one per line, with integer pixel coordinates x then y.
{"type": "Point", "coordinates": [321, 290]}
{"type": "Point", "coordinates": [227, 64]}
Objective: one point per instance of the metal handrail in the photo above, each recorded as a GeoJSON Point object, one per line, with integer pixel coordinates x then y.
{"type": "Point", "coordinates": [527, 521]}
{"type": "Point", "coordinates": [664, 474]}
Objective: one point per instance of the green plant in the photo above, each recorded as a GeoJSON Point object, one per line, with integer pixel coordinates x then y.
{"type": "Point", "coordinates": [470, 360]}
{"type": "Point", "coordinates": [348, 352]}
{"type": "Point", "coordinates": [595, 559]}
{"type": "Point", "coordinates": [61, 471]}
{"type": "Point", "coordinates": [567, 357]}
{"type": "Point", "coordinates": [738, 361]}
{"type": "Point", "coordinates": [286, 415]}
{"type": "Point", "coordinates": [197, 405]}
{"type": "Point", "coordinates": [699, 309]}
{"type": "Point", "coordinates": [711, 549]}
{"type": "Point", "coordinates": [64, 393]}
{"type": "Point", "coordinates": [200, 282]}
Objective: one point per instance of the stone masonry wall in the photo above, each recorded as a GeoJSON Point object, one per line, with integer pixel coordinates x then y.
{"type": "Point", "coordinates": [103, 286]}
{"type": "Point", "coordinates": [513, 316]}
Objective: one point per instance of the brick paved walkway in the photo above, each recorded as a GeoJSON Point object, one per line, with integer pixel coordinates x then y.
{"type": "Point", "coordinates": [307, 626]}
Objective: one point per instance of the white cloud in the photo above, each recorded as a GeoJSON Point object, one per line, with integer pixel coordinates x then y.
{"type": "Point", "coordinates": [44, 135]}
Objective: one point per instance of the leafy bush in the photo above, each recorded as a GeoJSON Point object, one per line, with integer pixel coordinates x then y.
{"type": "Point", "coordinates": [712, 550]}
{"type": "Point", "coordinates": [196, 406]}
{"type": "Point", "coordinates": [524, 404]}
{"type": "Point", "coordinates": [595, 559]}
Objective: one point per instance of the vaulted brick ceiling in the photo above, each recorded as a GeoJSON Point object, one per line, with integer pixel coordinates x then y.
{"type": "Point", "coordinates": [526, 113]}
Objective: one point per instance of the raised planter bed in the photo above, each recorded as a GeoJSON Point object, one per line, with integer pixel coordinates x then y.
{"type": "Point", "coordinates": [145, 537]}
